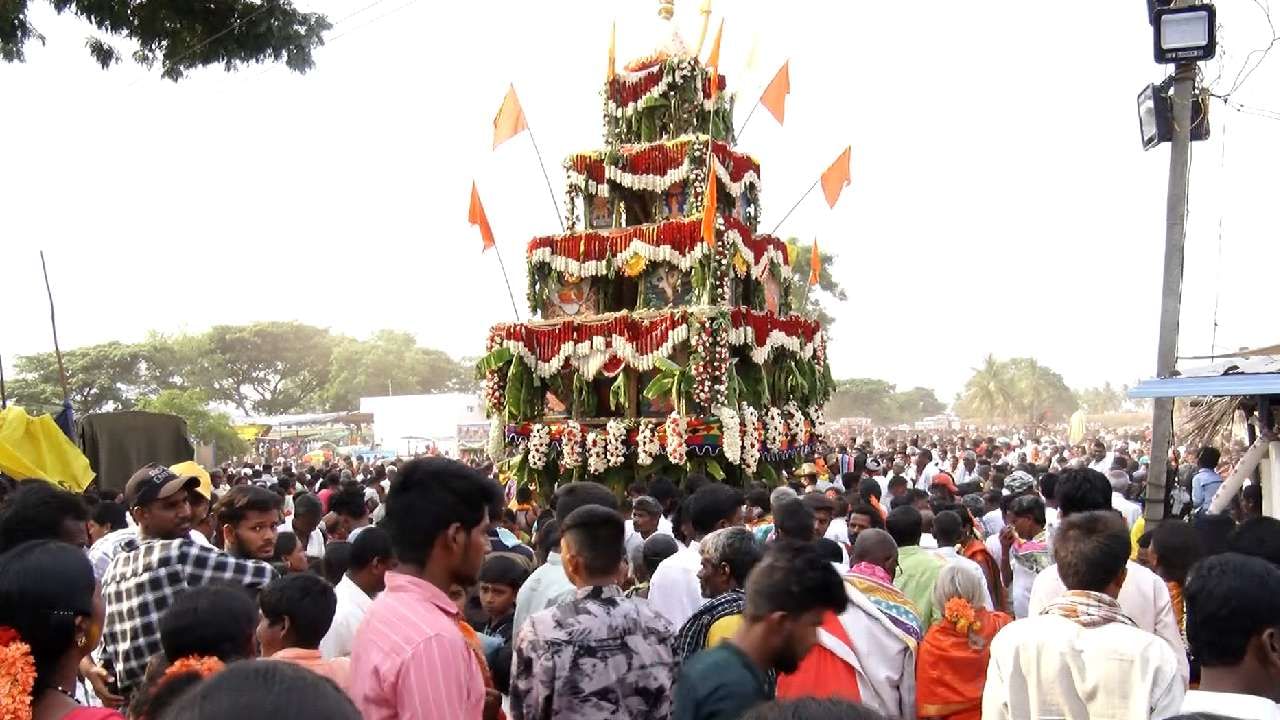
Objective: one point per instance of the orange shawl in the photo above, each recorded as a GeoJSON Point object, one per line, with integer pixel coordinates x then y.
{"type": "Point", "coordinates": [976, 551]}
{"type": "Point", "coordinates": [822, 674]}
{"type": "Point", "coordinates": [950, 673]}
{"type": "Point", "coordinates": [469, 634]}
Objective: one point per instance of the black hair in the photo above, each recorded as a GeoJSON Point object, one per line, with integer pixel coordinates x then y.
{"type": "Point", "coordinates": [241, 500]}
{"type": "Point", "coordinates": [306, 600]}
{"type": "Point", "coordinates": [1082, 490]}
{"type": "Point", "coordinates": [337, 559]}
{"type": "Point", "coordinates": [371, 544]}
{"type": "Point", "coordinates": [349, 502]}
{"type": "Point", "coordinates": [1049, 485]}
{"type": "Point", "coordinates": [286, 543]}
{"type": "Point", "coordinates": [900, 501]}
{"type": "Point", "coordinates": [657, 548]}
{"type": "Point", "coordinates": [1215, 531]}
{"type": "Point", "coordinates": [548, 537]}
{"type": "Point", "coordinates": [597, 534]}
{"type": "Point", "coordinates": [712, 503]}
{"type": "Point", "coordinates": [211, 620]}
{"type": "Point", "coordinates": [44, 585]}
{"type": "Point", "coordinates": [818, 502]}
{"type": "Point", "coordinates": [662, 489]}
{"type": "Point", "coordinates": [503, 570]}
{"type": "Point", "coordinates": [877, 521]}
{"type": "Point", "coordinates": [1208, 457]}
{"type": "Point", "coordinates": [868, 489]}
{"type": "Point", "coordinates": [693, 482]}
{"type": "Point", "coordinates": [948, 528]}
{"type": "Point", "coordinates": [810, 708]}
{"type": "Point", "coordinates": [793, 578]}
{"type": "Point", "coordinates": [264, 690]}
{"type": "Point", "coordinates": [430, 495]}
{"type": "Point", "coordinates": [906, 525]}
{"type": "Point", "coordinates": [571, 496]}
{"type": "Point", "coordinates": [896, 481]}
{"type": "Point", "coordinates": [758, 499]}
{"type": "Point", "coordinates": [1028, 506]}
{"type": "Point", "coordinates": [829, 550]}
{"type": "Point", "coordinates": [38, 510]}
{"type": "Point", "coordinates": [1091, 549]}
{"type": "Point", "coordinates": [1177, 547]}
{"type": "Point", "coordinates": [307, 504]}
{"type": "Point", "coordinates": [1144, 540]}
{"type": "Point", "coordinates": [793, 520]}
{"type": "Point", "coordinates": [111, 515]}
{"type": "Point", "coordinates": [524, 494]}
{"type": "Point", "coordinates": [1230, 598]}
{"type": "Point", "coordinates": [1259, 537]}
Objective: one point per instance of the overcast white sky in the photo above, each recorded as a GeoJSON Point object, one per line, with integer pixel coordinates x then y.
{"type": "Point", "coordinates": [1000, 203]}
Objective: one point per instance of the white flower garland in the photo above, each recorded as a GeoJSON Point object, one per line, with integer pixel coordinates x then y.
{"type": "Point", "coordinates": [571, 445]}
{"type": "Point", "coordinates": [497, 439]}
{"type": "Point", "coordinates": [539, 445]}
{"type": "Point", "coordinates": [774, 434]}
{"type": "Point", "coordinates": [647, 447]}
{"type": "Point", "coordinates": [795, 420]}
{"type": "Point", "coordinates": [597, 462]}
{"type": "Point", "coordinates": [617, 444]}
{"type": "Point", "coordinates": [730, 434]}
{"type": "Point", "coordinates": [676, 449]}
{"type": "Point", "coordinates": [750, 439]}
{"type": "Point", "coordinates": [819, 422]}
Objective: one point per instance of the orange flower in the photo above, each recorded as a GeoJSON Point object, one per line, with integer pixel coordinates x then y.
{"type": "Point", "coordinates": [17, 678]}
{"type": "Point", "coordinates": [960, 613]}
{"type": "Point", "coordinates": [202, 666]}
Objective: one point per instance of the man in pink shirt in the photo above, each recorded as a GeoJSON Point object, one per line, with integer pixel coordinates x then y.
{"type": "Point", "coordinates": [410, 660]}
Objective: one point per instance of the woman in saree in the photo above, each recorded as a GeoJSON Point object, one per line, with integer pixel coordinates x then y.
{"type": "Point", "coordinates": [951, 665]}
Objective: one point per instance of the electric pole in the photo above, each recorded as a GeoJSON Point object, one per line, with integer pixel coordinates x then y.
{"type": "Point", "coordinates": [1171, 295]}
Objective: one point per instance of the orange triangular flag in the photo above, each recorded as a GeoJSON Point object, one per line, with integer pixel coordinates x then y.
{"type": "Point", "coordinates": [836, 177]}
{"type": "Point", "coordinates": [709, 207]}
{"type": "Point", "coordinates": [477, 217]}
{"type": "Point", "coordinates": [613, 51]}
{"type": "Point", "coordinates": [815, 264]}
{"type": "Point", "coordinates": [510, 120]}
{"type": "Point", "coordinates": [713, 61]}
{"type": "Point", "coordinates": [774, 98]}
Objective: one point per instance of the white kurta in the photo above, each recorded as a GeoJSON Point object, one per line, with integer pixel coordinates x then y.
{"type": "Point", "coordinates": [1050, 667]}
{"type": "Point", "coordinates": [674, 590]}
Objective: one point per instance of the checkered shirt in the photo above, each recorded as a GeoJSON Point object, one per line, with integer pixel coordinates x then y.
{"type": "Point", "coordinates": [144, 580]}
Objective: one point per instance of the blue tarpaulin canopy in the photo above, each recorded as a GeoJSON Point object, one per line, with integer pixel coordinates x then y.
{"type": "Point", "coordinates": [1250, 373]}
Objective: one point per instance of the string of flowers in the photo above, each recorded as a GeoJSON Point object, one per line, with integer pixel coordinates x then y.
{"type": "Point", "coordinates": [17, 676]}
{"type": "Point", "coordinates": [597, 461]}
{"type": "Point", "coordinates": [571, 445]}
{"type": "Point", "coordinates": [750, 438]}
{"type": "Point", "coordinates": [961, 614]}
{"type": "Point", "coordinates": [675, 427]}
{"type": "Point", "coordinates": [819, 421]}
{"type": "Point", "coordinates": [774, 432]}
{"type": "Point", "coordinates": [617, 442]}
{"type": "Point", "coordinates": [795, 419]}
{"type": "Point", "coordinates": [495, 380]}
{"type": "Point", "coordinates": [647, 447]}
{"type": "Point", "coordinates": [497, 438]}
{"type": "Point", "coordinates": [539, 445]}
{"type": "Point", "coordinates": [730, 434]}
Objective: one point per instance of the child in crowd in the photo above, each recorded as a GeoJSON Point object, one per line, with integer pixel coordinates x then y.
{"type": "Point", "coordinates": [500, 579]}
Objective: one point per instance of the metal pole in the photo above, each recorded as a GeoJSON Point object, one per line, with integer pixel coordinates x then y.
{"type": "Point", "coordinates": [53, 322]}
{"type": "Point", "coordinates": [1171, 295]}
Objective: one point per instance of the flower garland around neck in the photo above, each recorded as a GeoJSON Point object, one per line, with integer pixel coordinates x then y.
{"type": "Point", "coordinates": [17, 676]}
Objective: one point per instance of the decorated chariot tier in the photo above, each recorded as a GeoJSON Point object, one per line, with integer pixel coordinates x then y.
{"type": "Point", "coordinates": [657, 351]}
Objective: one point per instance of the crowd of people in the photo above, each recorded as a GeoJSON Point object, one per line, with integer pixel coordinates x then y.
{"type": "Point", "coordinates": [955, 578]}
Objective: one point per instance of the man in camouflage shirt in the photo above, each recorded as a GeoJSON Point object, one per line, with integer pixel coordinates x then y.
{"type": "Point", "coordinates": [600, 655]}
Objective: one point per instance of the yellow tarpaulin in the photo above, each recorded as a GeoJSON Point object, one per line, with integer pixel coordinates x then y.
{"type": "Point", "coordinates": [34, 447]}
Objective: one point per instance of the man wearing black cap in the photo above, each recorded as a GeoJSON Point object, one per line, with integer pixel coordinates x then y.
{"type": "Point", "coordinates": [151, 571]}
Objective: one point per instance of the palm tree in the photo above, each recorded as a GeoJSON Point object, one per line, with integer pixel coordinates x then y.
{"type": "Point", "coordinates": [988, 394]}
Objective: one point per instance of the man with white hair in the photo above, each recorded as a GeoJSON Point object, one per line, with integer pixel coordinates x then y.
{"type": "Point", "coordinates": [764, 531]}
{"type": "Point", "coordinates": [1119, 485]}
{"type": "Point", "coordinates": [967, 470]}
{"type": "Point", "coordinates": [728, 555]}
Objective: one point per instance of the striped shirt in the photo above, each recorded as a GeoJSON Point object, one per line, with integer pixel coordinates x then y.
{"type": "Point", "coordinates": [410, 661]}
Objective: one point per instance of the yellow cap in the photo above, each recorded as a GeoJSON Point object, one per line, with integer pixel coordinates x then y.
{"type": "Point", "coordinates": [191, 468]}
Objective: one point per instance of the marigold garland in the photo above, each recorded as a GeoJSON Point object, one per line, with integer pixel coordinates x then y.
{"type": "Point", "coordinates": [203, 666]}
{"type": "Point", "coordinates": [961, 614]}
{"type": "Point", "coordinates": [17, 676]}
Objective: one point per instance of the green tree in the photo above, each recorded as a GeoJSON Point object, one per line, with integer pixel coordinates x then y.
{"type": "Point", "coordinates": [916, 403]}
{"type": "Point", "coordinates": [391, 362]}
{"type": "Point", "coordinates": [988, 395]}
{"type": "Point", "coordinates": [180, 36]}
{"type": "Point", "coordinates": [1039, 393]}
{"type": "Point", "coordinates": [806, 299]}
{"type": "Point", "coordinates": [99, 378]}
{"type": "Point", "coordinates": [206, 426]}
{"type": "Point", "coordinates": [1102, 399]}
{"type": "Point", "coordinates": [861, 397]}
{"type": "Point", "coordinates": [268, 368]}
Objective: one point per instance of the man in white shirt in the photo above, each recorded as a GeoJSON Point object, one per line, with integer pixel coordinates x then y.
{"type": "Point", "coordinates": [1099, 458]}
{"type": "Point", "coordinates": [675, 591]}
{"type": "Point", "coordinates": [1233, 624]}
{"type": "Point", "coordinates": [1130, 511]}
{"type": "Point", "coordinates": [1082, 657]}
{"type": "Point", "coordinates": [948, 529]}
{"type": "Point", "coordinates": [549, 586]}
{"type": "Point", "coordinates": [646, 520]}
{"type": "Point", "coordinates": [305, 525]}
{"type": "Point", "coordinates": [371, 557]}
{"type": "Point", "coordinates": [1143, 596]}
{"type": "Point", "coordinates": [926, 469]}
